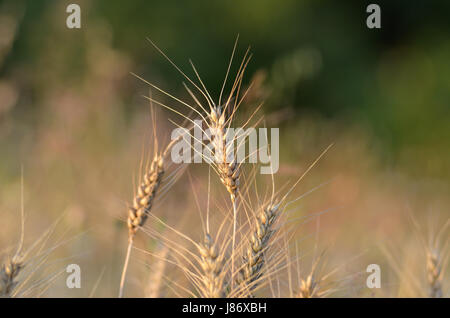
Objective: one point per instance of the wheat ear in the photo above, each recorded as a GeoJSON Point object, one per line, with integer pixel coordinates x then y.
{"type": "Point", "coordinates": [212, 266]}
{"type": "Point", "coordinates": [437, 259]}
{"type": "Point", "coordinates": [253, 260]}
{"type": "Point", "coordinates": [309, 287]}
{"type": "Point", "coordinates": [142, 204]}
{"type": "Point", "coordinates": [227, 169]}
{"type": "Point", "coordinates": [8, 274]}
{"type": "Point", "coordinates": [11, 269]}
{"type": "Point", "coordinates": [143, 201]}
{"type": "Point", "coordinates": [434, 274]}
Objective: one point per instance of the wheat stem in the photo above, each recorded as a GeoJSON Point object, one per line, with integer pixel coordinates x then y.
{"type": "Point", "coordinates": [125, 267]}
{"type": "Point", "coordinates": [233, 200]}
{"type": "Point", "coordinates": [142, 204]}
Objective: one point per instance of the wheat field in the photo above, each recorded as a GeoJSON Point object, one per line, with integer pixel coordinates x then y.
{"type": "Point", "coordinates": [89, 181]}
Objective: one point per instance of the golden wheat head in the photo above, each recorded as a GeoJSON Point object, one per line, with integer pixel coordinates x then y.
{"type": "Point", "coordinates": [143, 201]}
{"type": "Point", "coordinates": [212, 266]}
{"type": "Point", "coordinates": [253, 260]}
{"type": "Point", "coordinates": [8, 274]}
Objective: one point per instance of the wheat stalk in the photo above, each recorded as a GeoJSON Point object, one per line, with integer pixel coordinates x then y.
{"type": "Point", "coordinates": [142, 204]}
{"type": "Point", "coordinates": [217, 121]}
{"type": "Point", "coordinates": [154, 286]}
{"type": "Point", "coordinates": [143, 201]}
{"type": "Point", "coordinates": [227, 169]}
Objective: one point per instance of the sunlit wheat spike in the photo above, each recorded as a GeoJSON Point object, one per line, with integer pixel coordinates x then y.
{"type": "Point", "coordinates": [218, 120]}
{"type": "Point", "coordinates": [436, 248]}
{"type": "Point", "coordinates": [212, 267]}
{"type": "Point", "coordinates": [310, 286]}
{"type": "Point", "coordinates": [143, 202]}
{"type": "Point", "coordinates": [8, 274]}
{"type": "Point", "coordinates": [227, 166]}
{"type": "Point", "coordinates": [12, 267]}
{"type": "Point", "coordinates": [253, 260]}
{"type": "Point", "coordinates": [434, 276]}
{"type": "Point", "coordinates": [437, 260]}
{"type": "Point", "coordinates": [146, 193]}
{"type": "Point", "coordinates": [318, 283]}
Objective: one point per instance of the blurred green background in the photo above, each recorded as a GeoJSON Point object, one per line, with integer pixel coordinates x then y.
{"type": "Point", "coordinates": [317, 56]}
